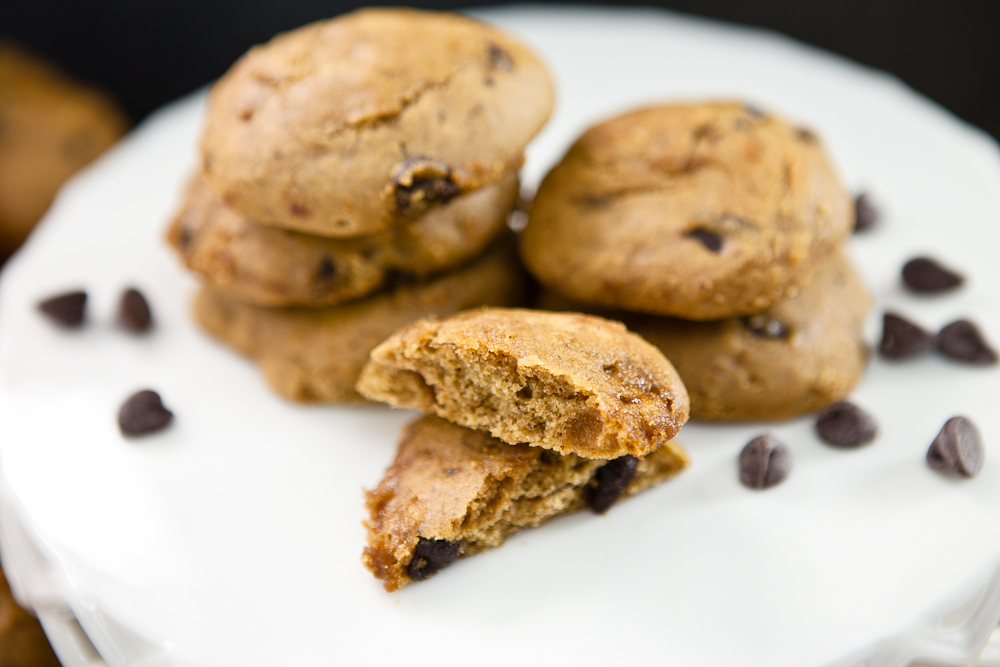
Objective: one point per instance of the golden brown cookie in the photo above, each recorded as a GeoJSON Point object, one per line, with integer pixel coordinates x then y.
{"type": "Point", "coordinates": [568, 382]}
{"type": "Point", "coordinates": [454, 492]}
{"type": "Point", "coordinates": [345, 127]}
{"type": "Point", "coordinates": [269, 266]}
{"type": "Point", "coordinates": [22, 640]}
{"type": "Point", "coordinates": [698, 211]}
{"type": "Point", "coordinates": [50, 127]}
{"type": "Point", "coordinates": [316, 354]}
{"type": "Point", "coordinates": [801, 355]}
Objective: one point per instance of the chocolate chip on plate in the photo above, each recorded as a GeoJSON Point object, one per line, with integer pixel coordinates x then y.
{"type": "Point", "coordinates": [133, 311]}
{"type": "Point", "coordinates": [612, 480]}
{"type": "Point", "coordinates": [764, 462]}
{"type": "Point", "coordinates": [961, 340]}
{"type": "Point", "coordinates": [844, 424]}
{"type": "Point", "coordinates": [865, 213]}
{"type": "Point", "coordinates": [925, 275]}
{"type": "Point", "coordinates": [431, 556]}
{"type": "Point", "coordinates": [902, 339]}
{"type": "Point", "coordinates": [143, 413]}
{"type": "Point", "coordinates": [957, 449]}
{"type": "Point", "coordinates": [66, 310]}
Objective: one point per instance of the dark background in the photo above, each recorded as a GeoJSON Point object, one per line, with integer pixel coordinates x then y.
{"type": "Point", "coordinates": [148, 52]}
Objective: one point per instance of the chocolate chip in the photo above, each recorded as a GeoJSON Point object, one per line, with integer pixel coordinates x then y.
{"type": "Point", "coordinates": [499, 59]}
{"type": "Point", "coordinates": [142, 413]}
{"type": "Point", "coordinates": [925, 275]}
{"type": "Point", "coordinates": [133, 311]}
{"type": "Point", "coordinates": [710, 240]}
{"type": "Point", "coordinates": [902, 339]}
{"type": "Point", "coordinates": [962, 340]}
{"type": "Point", "coordinates": [66, 310]}
{"type": "Point", "coordinates": [865, 213]}
{"type": "Point", "coordinates": [432, 556]}
{"type": "Point", "coordinates": [612, 480]}
{"type": "Point", "coordinates": [957, 449]}
{"type": "Point", "coordinates": [765, 327]}
{"type": "Point", "coordinates": [844, 424]}
{"type": "Point", "coordinates": [396, 278]}
{"type": "Point", "coordinates": [421, 182]}
{"type": "Point", "coordinates": [806, 135]}
{"type": "Point", "coordinates": [764, 462]}
{"type": "Point", "coordinates": [326, 270]}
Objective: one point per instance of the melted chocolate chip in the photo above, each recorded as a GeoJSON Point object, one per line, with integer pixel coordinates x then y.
{"type": "Point", "coordinates": [499, 59]}
{"type": "Point", "coordinates": [925, 275]}
{"type": "Point", "coordinates": [66, 310]}
{"type": "Point", "coordinates": [710, 240]}
{"type": "Point", "coordinates": [612, 480]}
{"type": "Point", "coordinates": [865, 213]}
{"type": "Point", "coordinates": [143, 413]}
{"type": "Point", "coordinates": [326, 270]}
{"type": "Point", "coordinates": [764, 462]}
{"type": "Point", "coordinates": [957, 449]}
{"type": "Point", "coordinates": [421, 182]}
{"type": "Point", "coordinates": [962, 340]}
{"type": "Point", "coordinates": [432, 556]}
{"type": "Point", "coordinates": [902, 339]}
{"type": "Point", "coordinates": [844, 424]}
{"type": "Point", "coordinates": [765, 327]}
{"type": "Point", "coordinates": [133, 311]}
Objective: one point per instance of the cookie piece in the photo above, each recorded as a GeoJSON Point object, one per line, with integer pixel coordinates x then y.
{"type": "Point", "coordinates": [455, 492]}
{"type": "Point", "coordinates": [567, 382]}
{"type": "Point", "coordinates": [316, 354]}
{"type": "Point", "coordinates": [699, 211]}
{"type": "Point", "coordinates": [345, 127]}
{"type": "Point", "coordinates": [275, 267]}
{"type": "Point", "coordinates": [800, 356]}
{"type": "Point", "coordinates": [50, 127]}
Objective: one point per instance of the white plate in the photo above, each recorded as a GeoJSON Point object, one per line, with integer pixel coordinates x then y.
{"type": "Point", "coordinates": [233, 538]}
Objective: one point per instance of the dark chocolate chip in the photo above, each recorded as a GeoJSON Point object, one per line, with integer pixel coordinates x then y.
{"type": "Point", "coordinates": [925, 275]}
{"type": "Point", "coordinates": [432, 556]}
{"type": "Point", "coordinates": [710, 240]}
{"type": "Point", "coordinates": [844, 424]}
{"type": "Point", "coordinates": [143, 413]}
{"type": "Point", "coordinates": [902, 339]}
{"type": "Point", "coordinates": [500, 59]}
{"type": "Point", "coordinates": [957, 449]}
{"type": "Point", "coordinates": [764, 462]}
{"type": "Point", "coordinates": [421, 182]}
{"type": "Point", "coordinates": [765, 327]}
{"type": "Point", "coordinates": [133, 311]}
{"type": "Point", "coordinates": [865, 213]}
{"type": "Point", "coordinates": [326, 270]}
{"type": "Point", "coordinates": [962, 340]}
{"type": "Point", "coordinates": [66, 310]}
{"type": "Point", "coordinates": [612, 480]}
{"type": "Point", "coordinates": [396, 278]}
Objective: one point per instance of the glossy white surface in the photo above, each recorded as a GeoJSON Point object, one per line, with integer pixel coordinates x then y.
{"type": "Point", "coordinates": [233, 538]}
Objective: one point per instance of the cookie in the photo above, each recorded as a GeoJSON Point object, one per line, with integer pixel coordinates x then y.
{"type": "Point", "coordinates": [567, 382]}
{"type": "Point", "coordinates": [22, 640]}
{"type": "Point", "coordinates": [345, 127]}
{"type": "Point", "coordinates": [799, 356]}
{"type": "Point", "coordinates": [316, 354]}
{"type": "Point", "coordinates": [50, 127]}
{"type": "Point", "coordinates": [269, 266]}
{"type": "Point", "coordinates": [454, 492]}
{"type": "Point", "coordinates": [700, 211]}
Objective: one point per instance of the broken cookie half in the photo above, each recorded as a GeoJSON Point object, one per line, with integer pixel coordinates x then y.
{"type": "Point", "coordinates": [454, 492]}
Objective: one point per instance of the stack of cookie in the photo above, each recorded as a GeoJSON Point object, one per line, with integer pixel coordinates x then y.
{"type": "Point", "coordinates": [571, 410]}
{"type": "Point", "coordinates": [357, 174]}
{"type": "Point", "coordinates": [716, 231]}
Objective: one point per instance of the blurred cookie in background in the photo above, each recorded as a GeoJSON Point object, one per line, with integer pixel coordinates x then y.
{"type": "Point", "coordinates": [22, 641]}
{"type": "Point", "coordinates": [50, 127]}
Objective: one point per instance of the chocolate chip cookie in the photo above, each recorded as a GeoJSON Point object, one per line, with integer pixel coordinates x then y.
{"type": "Point", "coordinates": [698, 211]}
{"type": "Point", "coordinates": [454, 492]}
{"type": "Point", "coordinates": [567, 382]}
{"type": "Point", "coordinates": [269, 266]}
{"type": "Point", "coordinates": [316, 354]}
{"type": "Point", "coordinates": [345, 127]}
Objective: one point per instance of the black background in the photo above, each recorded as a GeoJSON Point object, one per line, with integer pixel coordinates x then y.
{"type": "Point", "coordinates": [148, 52]}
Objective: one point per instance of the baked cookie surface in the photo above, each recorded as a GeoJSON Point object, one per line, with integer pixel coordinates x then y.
{"type": "Point", "coordinates": [269, 266]}
{"type": "Point", "coordinates": [562, 381]}
{"type": "Point", "coordinates": [698, 211]}
{"type": "Point", "coordinates": [454, 492]}
{"type": "Point", "coordinates": [316, 354]}
{"type": "Point", "coordinates": [347, 126]}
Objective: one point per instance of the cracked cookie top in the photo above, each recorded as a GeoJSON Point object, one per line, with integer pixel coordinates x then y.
{"type": "Point", "coordinates": [347, 126]}
{"type": "Point", "coordinates": [699, 211]}
{"type": "Point", "coordinates": [576, 384]}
